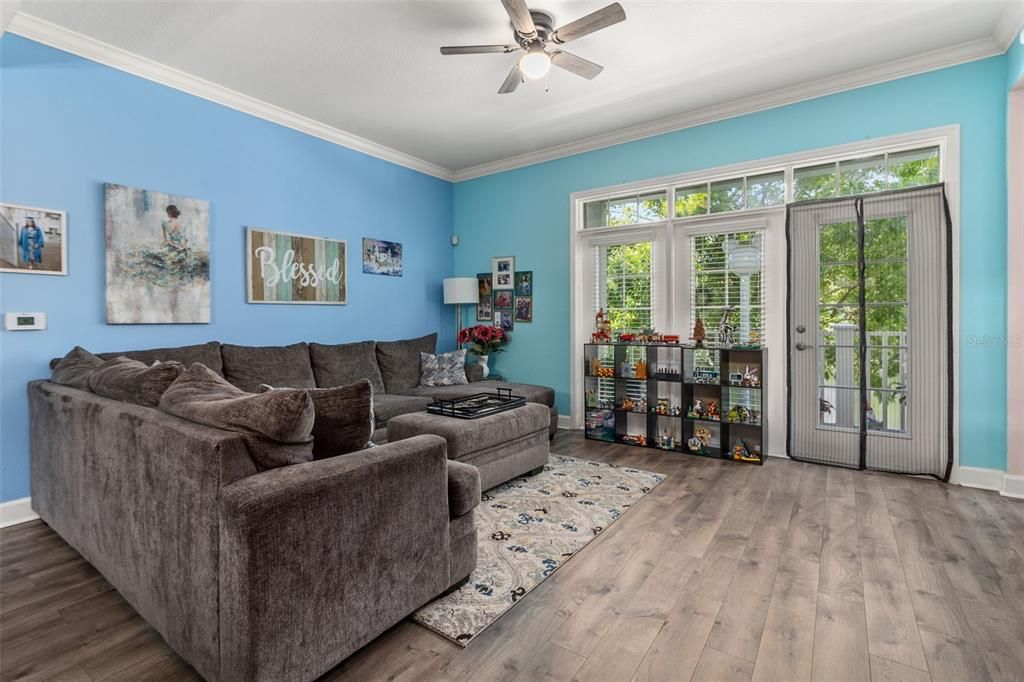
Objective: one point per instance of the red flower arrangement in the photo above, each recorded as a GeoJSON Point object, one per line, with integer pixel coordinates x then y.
{"type": "Point", "coordinates": [483, 339]}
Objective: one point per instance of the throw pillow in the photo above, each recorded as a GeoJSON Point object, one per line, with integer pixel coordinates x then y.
{"type": "Point", "coordinates": [399, 361]}
{"type": "Point", "coordinates": [446, 369]}
{"type": "Point", "coordinates": [345, 363]}
{"type": "Point", "coordinates": [131, 381]}
{"type": "Point", "coordinates": [277, 426]}
{"type": "Point", "coordinates": [344, 418]}
{"type": "Point", "coordinates": [75, 368]}
{"type": "Point", "coordinates": [249, 366]}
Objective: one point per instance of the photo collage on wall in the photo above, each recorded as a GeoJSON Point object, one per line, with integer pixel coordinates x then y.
{"type": "Point", "coordinates": [506, 296]}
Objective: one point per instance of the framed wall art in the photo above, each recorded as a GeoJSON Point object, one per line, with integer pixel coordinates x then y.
{"type": "Point", "coordinates": [294, 268]}
{"type": "Point", "coordinates": [502, 270]}
{"type": "Point", "coordinates": [158, 257]}
{"type": "Point", "coordinates": [484, 307]}
{"type": "Point", "coordinates": [381, 257]}
{"type": "Point", "coordinates": [33, 240]}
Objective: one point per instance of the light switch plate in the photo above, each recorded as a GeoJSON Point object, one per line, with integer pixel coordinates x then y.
{"type": "Point", "coordinates": [23, 322]}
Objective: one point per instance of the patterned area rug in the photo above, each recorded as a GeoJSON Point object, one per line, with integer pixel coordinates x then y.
{"type": "Point", "coordinates": [529, 527]}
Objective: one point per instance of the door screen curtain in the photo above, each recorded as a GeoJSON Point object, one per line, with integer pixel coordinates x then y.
{"type": "Point", "coordinates": [870, 332]}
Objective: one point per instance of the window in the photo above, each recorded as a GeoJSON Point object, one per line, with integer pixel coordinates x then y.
{"type": "Point", "coordinates": [892, 170]}
{"type": "Point", "coordinates": [628, 210]}
{"type": "Point", "coordinates": [726, 284]}
{"type": "Point", "coordinates": [733, 194]}
{"type": "Point", "coordinates": [623, 283]}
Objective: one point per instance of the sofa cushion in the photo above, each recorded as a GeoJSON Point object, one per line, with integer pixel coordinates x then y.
{"type": "Point", "coordinates": [444, 369]}
{"type": "Point", "coordinates": [345, 363]}
{"type": "Point", "coordinates": [542, 395]}
{"type": "Point", "coordinates": [249, 366]}
{"type": "Point", "coordinates": [278, 425]}
{"type": "Point", "coordinates": [399, 361]}
{"type": "Point", "coordinates": [204, 353]}
{"type": "Point", "coordinates": [344, 418]}
{"type": "Point", "coordinates": [75, 368]}
{"type": "Point", "coordinates": [132, 381]}
{"type": "Point", "coordinates": [386, 406]}
{"type": "Point", "coordinates": [463, 488]}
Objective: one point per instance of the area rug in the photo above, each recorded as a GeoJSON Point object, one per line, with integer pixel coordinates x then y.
{"type": "Point", "coordinates": [527, 529]}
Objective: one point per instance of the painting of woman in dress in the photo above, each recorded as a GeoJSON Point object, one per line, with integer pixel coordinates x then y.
{"type": "Point", "coordinates": [158, 257]}
{"type": "Point", "coordinates": [32, 240]}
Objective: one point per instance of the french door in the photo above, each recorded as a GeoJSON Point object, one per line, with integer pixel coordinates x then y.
{"type": "Point", "coordinates": [870, 332]}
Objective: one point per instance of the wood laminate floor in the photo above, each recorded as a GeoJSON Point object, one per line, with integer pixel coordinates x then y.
{"type": "Point", "coordinates": [724, 572]}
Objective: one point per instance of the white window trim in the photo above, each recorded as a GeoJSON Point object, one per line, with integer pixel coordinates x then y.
{"type": "Point", "coordinates": [947, 138]}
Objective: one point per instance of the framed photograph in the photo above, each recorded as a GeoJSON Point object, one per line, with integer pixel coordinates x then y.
{"type": "Point", "coordinates": [158, 257]}
{"type": "Point", "coordinates": [295, 268]}
{"type": "Point", "coordinates": [503, 300]}
{"type": "Point", "coordinates": [382, 258]}
{"type": "Point", "coordinates": [484, 307]}
{"type": "Point", "coordinates": [524, 308]}
{"type": "Point", "coordinates": [33, 240]}
{"type": "Point", "coordinates": [503, 270]}
{"type": "Point", "coordinates": [503, 319]}
{"type": "Point", "coordinates": [524, 283]}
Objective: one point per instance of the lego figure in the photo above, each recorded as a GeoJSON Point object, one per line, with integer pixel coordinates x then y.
{"type": "Point", "coordinates": [713, 411]}
{"type": "Point", "coordinates": [698, 333]}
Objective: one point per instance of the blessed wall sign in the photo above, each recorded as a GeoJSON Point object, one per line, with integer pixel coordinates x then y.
{"type": "Point", "coordinates": [293, 268]}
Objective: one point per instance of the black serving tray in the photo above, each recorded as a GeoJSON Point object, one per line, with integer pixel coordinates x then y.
{"type": "Point", "coordinates": [477, 405]}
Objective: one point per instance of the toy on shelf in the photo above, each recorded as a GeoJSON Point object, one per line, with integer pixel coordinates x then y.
{"type": "Point", "coordinates": [696, 410]}
{"type": "Point", "coordinates": [703, 434]}
{"type": "Point", "coordinates": [626, 370]}
{"type": "Point", "coordinates": [695, 444]}
{"type": "Point", "coordinates": [667, 440]}
{"type": "Point", "coordinates": [628, 404]}
{"type": "Point", "coordinates": [602, 328]}
{"type": "Point", "coordinates": [753, 344]}
{"type": "Point", "coordinates": [698, 333]}
{"type": "Point", "coordinates": [634, 439]}
{"type": "Point", "coordinates": [705, 375]}
{"type": "Point", "coordinates": [741, 453]}
{"type": "Point", "coordinates": [591, 398]}
{"type": "Point", "coordinates": [669, 373]}
{"type": "Point", "coordinates": [751, 377]}
{"type": "Point", "coordinates": [726, 331]}
{"type": "Point", "coordinates": [738, 414]}
{"type": "Point", "coordinates": [713, 414]}
{"type": "Point", "coordinates": [640, 369]}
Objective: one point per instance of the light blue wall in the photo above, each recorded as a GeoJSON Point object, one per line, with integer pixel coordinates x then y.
{"type": "Point", "coordinates": [525, 213]}
{"type": "Point", "coordinates": [69, 125]}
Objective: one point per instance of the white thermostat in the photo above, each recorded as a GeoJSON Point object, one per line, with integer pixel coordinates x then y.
{"type": "Point", "coordinates": [24, 322]}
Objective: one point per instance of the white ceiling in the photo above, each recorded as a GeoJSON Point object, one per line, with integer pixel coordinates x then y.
{"type": "Point", "coordinates": [373, 69]}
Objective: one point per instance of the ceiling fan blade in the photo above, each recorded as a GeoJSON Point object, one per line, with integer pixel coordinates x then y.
{"type": "Point", "coordinates": [577, 65]}
{"type": "Point", "coordinates": [478, 49]}
{"type": "Point", "coordinates": [602, 18]}
{"type": "Point", "coordinates": [519, 13]}
{"type": "Point", "coordinates": [515, 77]}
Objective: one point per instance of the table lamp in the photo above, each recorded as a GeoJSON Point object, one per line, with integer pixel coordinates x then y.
{"type": "Point", "coordinates": [459, 291]}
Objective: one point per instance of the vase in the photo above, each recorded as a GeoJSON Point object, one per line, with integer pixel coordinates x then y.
{"type": "Point", "coordinates": [482, 361]}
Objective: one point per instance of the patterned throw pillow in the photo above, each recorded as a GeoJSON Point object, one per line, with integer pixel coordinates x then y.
{"type": "Point", "coordinates": [446, 369]}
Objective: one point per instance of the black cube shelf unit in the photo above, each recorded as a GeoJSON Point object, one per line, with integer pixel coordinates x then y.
{"type": "Point", "coordinates": [677, 398]}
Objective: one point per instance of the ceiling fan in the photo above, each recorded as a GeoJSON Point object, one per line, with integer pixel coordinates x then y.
{"type": "Point", "coordinates": [534, 34]}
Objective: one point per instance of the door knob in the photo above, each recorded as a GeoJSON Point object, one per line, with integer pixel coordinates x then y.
{"type": "Point", "coordinates": [800, 329]}
{"type": "Point", "coordinates": [800, 345]}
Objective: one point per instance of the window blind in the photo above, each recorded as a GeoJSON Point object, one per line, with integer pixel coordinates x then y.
{"type": "Point", "coordinates": [623, 280]}
{"type": "Point", "coordinates": [726, 281]}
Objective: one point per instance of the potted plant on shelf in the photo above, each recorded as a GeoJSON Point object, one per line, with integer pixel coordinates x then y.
{"type": "Point", "coordinates": [484, 340]}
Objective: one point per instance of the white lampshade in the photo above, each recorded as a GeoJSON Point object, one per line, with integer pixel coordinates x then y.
{"type": "Point", "coordinates": [461, 290]}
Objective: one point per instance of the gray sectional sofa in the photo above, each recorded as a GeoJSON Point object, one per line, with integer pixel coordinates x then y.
{"type": "Point", "coordinates": [392, 368]}
{"type": "Point", "coordinates": [259, 575]}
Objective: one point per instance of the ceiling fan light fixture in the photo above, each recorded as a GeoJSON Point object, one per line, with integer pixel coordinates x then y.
{"type": "Point", "coordinates": [535, 63]}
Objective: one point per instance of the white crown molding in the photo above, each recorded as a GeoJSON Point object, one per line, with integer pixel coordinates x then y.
{"type": "Point", "coordinates": [47, 33]}
{"type": "Point", "coordinates": [1009, 26]}
{"type": "Point", "coordinates": [16, 511]}
{"type": "Point", "coordinates": [929, 61]}
{"type": "Point", "coordinates": [8, 8]}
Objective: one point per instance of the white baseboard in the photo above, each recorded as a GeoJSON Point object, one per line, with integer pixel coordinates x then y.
{"type": "Point", "coordinates": [565, 422]}
{"type": "Point", "coordinates": [1013, 486]}
{"type": "Point", "coordinates": [1007, 485]}
{"type": "Point", "coordinates": [16, 511]}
